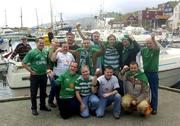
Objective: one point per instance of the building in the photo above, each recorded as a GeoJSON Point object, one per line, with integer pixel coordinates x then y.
{"type": "Point", "coordinates": [175, 19]}
{"type": "Point", "coordinates": [148, 17]}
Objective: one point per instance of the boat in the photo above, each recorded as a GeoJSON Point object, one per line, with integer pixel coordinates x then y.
{"type": "Point", "coordinates": [4, 45]}
{"type": "Point", "coordinates": [17, 76]}
{"type": "Point", "coordinates": [16, 36]}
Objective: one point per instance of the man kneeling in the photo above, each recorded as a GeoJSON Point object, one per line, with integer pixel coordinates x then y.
{"type": "Point", "coordinates": [137, 90]}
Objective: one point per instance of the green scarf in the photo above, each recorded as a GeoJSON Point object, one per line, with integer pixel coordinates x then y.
{"type": "Point", "coordinates": [139, 75]}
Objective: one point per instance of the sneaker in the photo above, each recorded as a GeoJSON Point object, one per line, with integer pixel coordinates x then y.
{"type": "Point", "coordinates": [116, 115]}
{"type": "Point", "coordinates": [34, 112]}
{"type": "Point", "coordinates": [154, 112]}
{"type": "Point", "coordinates": [45, 109]}
{"type": "Point", "coordinates": [51, 104]}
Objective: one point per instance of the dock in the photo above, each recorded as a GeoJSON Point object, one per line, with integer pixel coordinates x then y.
{"type": "Point", "coordinates": [17, 112]}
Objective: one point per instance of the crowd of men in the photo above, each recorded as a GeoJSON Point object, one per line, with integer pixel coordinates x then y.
{"type": "Point", "coordinates": [86, 79]}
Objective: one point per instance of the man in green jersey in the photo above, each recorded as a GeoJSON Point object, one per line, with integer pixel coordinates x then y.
{"type": "Point", "coordinates": [150, 57]}
{"type": "Point", "coordinates": [68, 104]}
{"type": "Point", "coordinates": [36, 63]}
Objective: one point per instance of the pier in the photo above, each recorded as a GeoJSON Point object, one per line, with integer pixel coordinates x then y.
{"type": "Point", "coordinates": [16, 112]}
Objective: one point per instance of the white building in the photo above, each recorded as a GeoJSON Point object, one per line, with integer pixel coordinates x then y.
{"type": "Point", "coordinates": [175, 19]}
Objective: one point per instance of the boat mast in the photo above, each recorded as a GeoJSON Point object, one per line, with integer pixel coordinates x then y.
{"type": "Point", "coordinates": [5, 19]}
{"type": "Point", "coordinates": [21, 19]}
{"type": "Point", "coordinates": [61, 20]}
{"type": "Point", "coordinates": [51, 14]}
{"type": "Point", "coordinates": [37, 19]}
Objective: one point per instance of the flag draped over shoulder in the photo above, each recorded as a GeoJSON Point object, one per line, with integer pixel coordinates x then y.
{"type": "Point", "coordinates": [139, 75]}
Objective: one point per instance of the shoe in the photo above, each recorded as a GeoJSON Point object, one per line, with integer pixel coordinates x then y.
{"type": "Point", "coordinates": [148, 111]}
{"type": "Point", "coordinates": [116, 115]}
{"type": "Point", "coordinates": [93, 113]}
{"type": "Point", "coordinates": [51, 104]}
{"type": "Point", "coordinates": [45, 109]}
{"type": "Point", "coordinates": [154, 112]}
{"type": "Point", "coordinates": [34, 112]}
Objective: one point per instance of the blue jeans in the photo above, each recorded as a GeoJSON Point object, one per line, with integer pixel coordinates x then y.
{"type": "Point", "coordinates": [53, 89]}
{"type": "Point", "coordinates": [154, 84]}
{"type": "Point", "coordinates": [108, 101]}
{"type": "Point", "coordinates": [91, 102]}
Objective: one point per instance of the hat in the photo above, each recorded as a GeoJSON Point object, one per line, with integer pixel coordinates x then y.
{"type": "Point", "coordinates": [124, 38]}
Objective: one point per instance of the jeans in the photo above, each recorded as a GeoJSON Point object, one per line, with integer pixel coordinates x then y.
{"type": "Point", "coordinates": [52, 93]}
{"type": "Point", "coordinates": [91, 102]}
{"type": "Point", "coordinates": [154, 84]}
{"type": "Point", "coordinates": [108, 101]}
{"type": "Point", "coordinates": [35, 82]}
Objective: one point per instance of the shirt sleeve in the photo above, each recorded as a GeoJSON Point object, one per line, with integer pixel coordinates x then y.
{"type": "Point", "coordinates": [116, 83]}
{"type": "Point", "coordinates": [28, 58]}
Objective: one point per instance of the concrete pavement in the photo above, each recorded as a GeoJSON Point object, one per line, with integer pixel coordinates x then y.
{"type": "Point", "coordinates": [18, 113]}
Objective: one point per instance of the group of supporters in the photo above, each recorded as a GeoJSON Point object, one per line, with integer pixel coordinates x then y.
{"type": "Point", "coordinates": [85, 80]}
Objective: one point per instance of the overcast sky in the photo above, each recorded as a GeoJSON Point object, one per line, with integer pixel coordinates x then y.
{"type": "Point", "coordinates": [69, 8]}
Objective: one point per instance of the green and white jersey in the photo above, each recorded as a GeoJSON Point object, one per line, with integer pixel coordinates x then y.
{"type": "Point", "coordinates": [37, 60]}
{"type": "Point", "coordinates": [67, 82]}
{"type": "Point", "coordinates": [84, 86]}
{"type": "Point", "coordinates": [111, 58]}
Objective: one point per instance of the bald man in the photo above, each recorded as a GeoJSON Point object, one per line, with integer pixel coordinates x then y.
{"type": "Point", "coordinates": [150, 57]}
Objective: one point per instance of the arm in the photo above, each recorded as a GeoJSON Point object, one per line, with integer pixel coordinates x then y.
{"type": "Point", "coordinates": [95, 84]}
{"type": "Point", "coordinates": [15, 52]}
{"type": "Point", "coordinates": [78, 96]}
{"type": "Point", "coordinates": [53, 55]}
{"type": "Point", "coordinates": [76, 54]}
{"type": "Point", "coordinates": [28, 69]}
{"type": "Point", "coordinates": [154, 42]}
{"type": "Point", "coordinates": [122, 73]}
{"type": "Point", "coordinates": [115, 91]}
{"type": "Point", "coordinates": [79, 31]}
{"type": "Point", "coordinates": [144, 94]}
{"type": "Point", "coordinates": [98, 54]}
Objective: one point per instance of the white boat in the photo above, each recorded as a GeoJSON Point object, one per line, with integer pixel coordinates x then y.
{"type": "Point", "coordinates": [17, 76]}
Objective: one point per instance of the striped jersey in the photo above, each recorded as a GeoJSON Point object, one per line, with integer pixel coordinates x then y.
{"type": "Point", "coordinates": [111, 57]}
{"type": "Point", "coordinates": [84, 86]}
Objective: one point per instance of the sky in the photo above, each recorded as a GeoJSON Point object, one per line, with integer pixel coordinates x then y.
{"type": "Point", "coordinates": [70, 9]}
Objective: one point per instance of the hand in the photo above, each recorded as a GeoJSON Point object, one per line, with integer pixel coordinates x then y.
{"type": "Point", "coordinates": [106, 95]}
{"type": "Point", "coordinates": [98, 72]}
{"type": "Point", "coordinates": [50, 74]}
{"type": "Point", "coordinates": [134, 102]}
{"type": "Point", "coordinates": [59, 50]}
{"type": "Point", "coordinates": [82, 107]}
{"type": "Point", "coordinates": [125, 68]}
{"type": "Point", "coordinates": [78, 25]}
{"type": "Point", "coordinates": [94, 80]}
{"type": "Point", "coordinates": [33, 72]}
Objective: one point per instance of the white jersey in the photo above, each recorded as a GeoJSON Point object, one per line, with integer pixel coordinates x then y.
{"type": "Point", "coordinates": [63, 62]}
{"type": "Point", "coordinates": [107, 86]}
